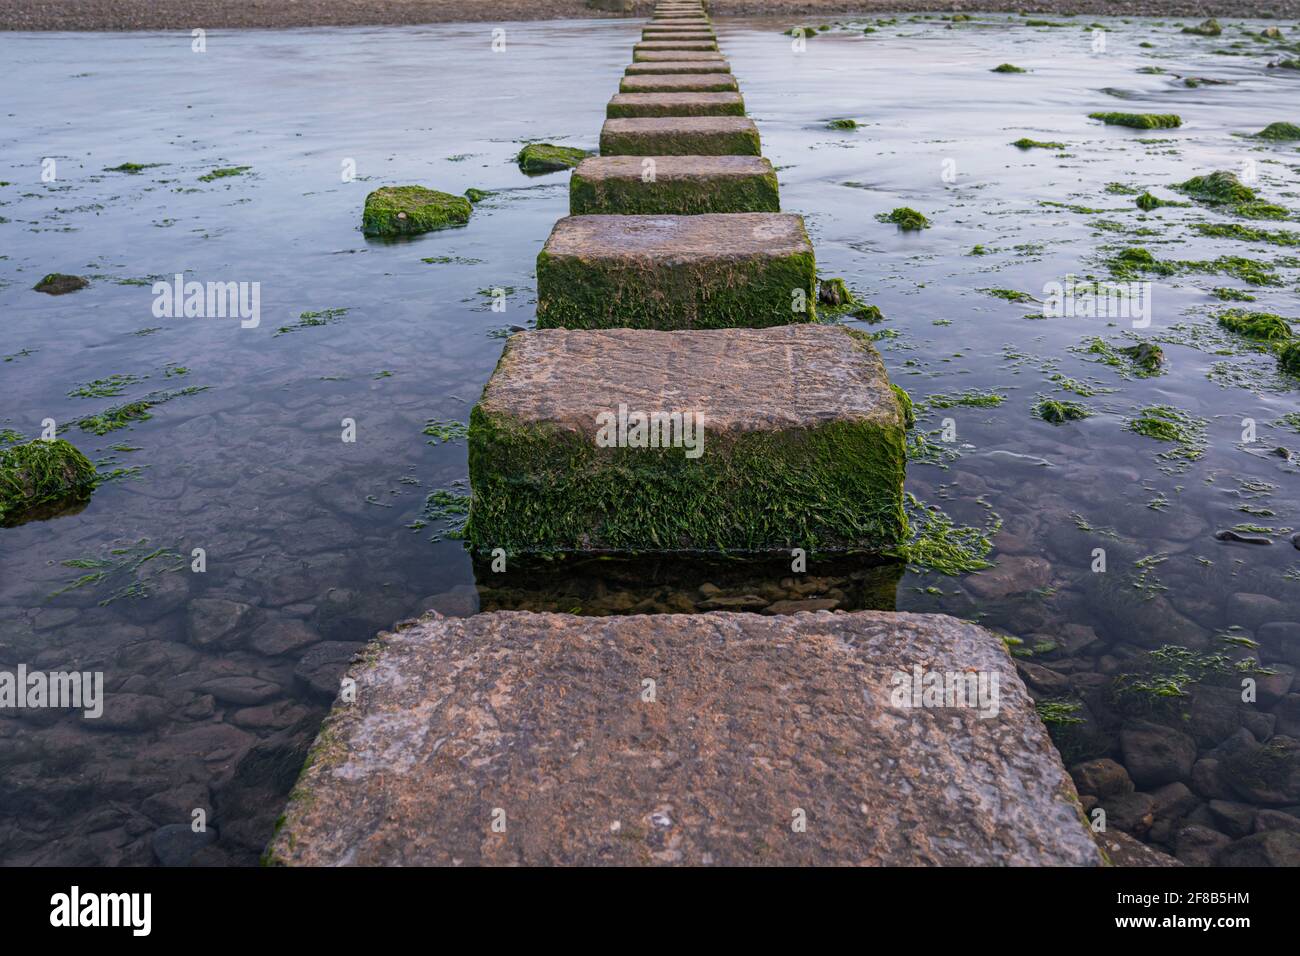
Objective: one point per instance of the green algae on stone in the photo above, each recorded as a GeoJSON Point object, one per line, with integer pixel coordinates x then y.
{"type": "Point", "coordinates": [41, 479]}
{"type": "Point", "coordinates": [1260, 326]}
{"type": "Point", "coordinates": [842, 124]}
{"type": "Point", "coordinates": [1218, 187]}
{"type": "Point", "coordinates": [1225, 294]}
{"type": "Point", "coordinates": [1235, 230]}
{"type": "Point", "coordinates": [905, 218]}
{"type": "Point", "coordinates": [1008, 68]}
{"type": "Point", "coordinates": [1207, 28]}
{"type": "Point", "coordinates": [682, 185]}
{"type": "Point", "coordinates": [940, 545]}
{"type": "Point", "coordinates": [537, 158]}
{"type": "Point", "coordinates": [476, 196]}
{"type": "Point", "coordinates": [1279, 132]}
{"type": "Point", "coordinates": [1026, 143]}
{"type": "Point", "coordinates": [1139, 120]}
{"type": "Point", "coordinates": [131, 168]}
{"type": "Point", "coordinates": [411, 210]}
{"type": "Point", "coordinates": [1058, 411]}
{"type": "Point", "coordinates": [57, 283]}
{"type": "Point", "coordinates": [1165, 423]}
{"type": "Point", "coordinates": [1288, 358]}
{"type": "Point", "coordinates": [1148, 202]}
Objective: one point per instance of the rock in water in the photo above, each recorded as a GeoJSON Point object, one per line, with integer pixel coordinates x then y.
{"type": "Point", "coordinates": [535, 739]}
{"type": "Point", "coordinates": [410, 210]}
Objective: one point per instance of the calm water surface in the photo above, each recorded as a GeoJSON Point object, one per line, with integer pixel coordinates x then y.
{"type": "Point", "coordinates": [218, 680]}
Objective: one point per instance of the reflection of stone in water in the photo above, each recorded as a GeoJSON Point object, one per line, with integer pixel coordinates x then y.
{"type": "Point", "coordinates": [602, 585]}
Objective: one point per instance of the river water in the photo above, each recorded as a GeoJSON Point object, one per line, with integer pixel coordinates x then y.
{"type": "Point", "coordinates": [217, 680]}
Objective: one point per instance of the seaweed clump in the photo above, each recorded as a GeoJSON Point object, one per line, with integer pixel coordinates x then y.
{"type": "Point", "coordinates": [905, 218]}
{"type": "Point", "coordinates": [411, 210]}
{"type": "Point", "coordinates": [57, 283]}
{"type": "Point", "coordinates": [1008, 68]}
{"type": "Point", "coordinates": [842, 124]}
{"type": "Point", "coordinates": [41, 479]}
{"type": "Point", "coordinates": [1288, 358]}
{"type": "Point", "coordinates": [1261, 326]}
{"type": "Point", "coordinates": [1279, 132]}
{"type": "Point", "coordinates": [1207, 28]}
{"type": "Point", "coordinates": [1139, 120]}
{"type": "Point", "coordinates": [1217, 187]}
{"type": "Point", "coordinates": [1025, 142]}
{"type": "Point", "coordinates": [1059, 411]}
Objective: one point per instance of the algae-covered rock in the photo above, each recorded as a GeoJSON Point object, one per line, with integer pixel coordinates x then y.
{"type": "Point", "coordinates": [1288, 358]}
{"type": "Point", "coordinates": [736, 440]}
{"type": "Point", "coordinates": [1280, 132]}
{"type": "Point", "coordinates": [834, 292]}
{"type": "Point", "coordinates": [1207, 28]}
{"type": "Point", "coordinates": [1139, 120]}
{"type": "Point", "coordinates": [705, 271]}
{"type": "Point", "coordinates": [1008, 68]}
{"type": "Point", "coordinates": [1147, 356]}
{"type": "Point", "coordinates": [905, 218]}
{"type": "Point", "coordinates": [681, 185]}
{"type": "Point", "coordinates": [41, 479]}
{"type": "Point", "coordinates": [1059, 411]}
{"type": "Point", "coordinates": [1217, 187]}
{"type": "Point", "coordinates": [1025, 142]}
{"type": "Point", "coordinates": [680, 136]}
{"type": "Point", "coordinates": [57, 283]}
{"type": "Point", "coordinates": [410, 210]}
{"type": "Point", "coordinates": [1261, 326]}
{"type": "Point", "coordinates": [843, 123]}
{"type": "Point", "coordinates": [537, 158]}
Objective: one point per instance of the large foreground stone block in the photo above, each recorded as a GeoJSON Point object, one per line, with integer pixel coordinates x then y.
{"type": "Point", "coordinates": [680, 136]}
{"type": "Point", "coordinates": [681, 185]}
{"type": "Point", "coordinates": [669, 67]}
{"type": "Point", "coordinates": [758, 440]}
{"type": "Point", "coordinates": [536, 722]}
{"type": "Point", "coordinates": [675, 104]}
{"type": "Point", "coordinates": [676, 272]}
{"type": "Point", "coordinates": [679, 83]}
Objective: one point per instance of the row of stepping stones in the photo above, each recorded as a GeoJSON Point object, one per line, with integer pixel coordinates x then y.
{"type": "Point", "coordinates": [678, 394]}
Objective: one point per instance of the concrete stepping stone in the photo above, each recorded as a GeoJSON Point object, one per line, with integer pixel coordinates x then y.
{"type": "Point", "coordinates": [700, 57]}
{"type": "Point", "coordinates": [678, 83]}
{"type": "Point", "coordinates": [676, 272]}
{"type": "Point", "coordinates": [663, 67]}
{"type": "Point", "coordinates": [675, 104]}
{"type": "Point", "coordinates": [651, 46]}
{"type": "Point", "coordinates": [680, 185]}
{"type": "Point", "coordinates": [785, 437]}
{"type": "Point", "coordinates": [680, 136]}
{"type": "Point", "coordinates": [676, 20]}
{"type": "Point", "coordinates": [653, 35]}
{"type": "Point", "coordinates": [513, 738]}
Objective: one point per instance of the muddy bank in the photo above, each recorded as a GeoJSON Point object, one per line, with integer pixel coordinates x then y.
{"type": "Point", "coordinates": [209, 14]}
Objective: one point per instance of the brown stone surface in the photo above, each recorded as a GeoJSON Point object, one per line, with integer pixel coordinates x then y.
{"type": "Point", "coordinates": [680, 136]}
{"type": "Point", "coordinates": [669, 67]}
{"type": "Point", "coordinates": [538, 721]}
{"type": "Point", "coordinates": [650, 46]}
{"type": "Point", "coordinates": [702, 57]}
{"type": "Point", "coordinates": [678, 83]}
{"type": "Point", "coordinates": [675, 104]}
{"type": "Point", "coordinates": [650, 36]}
{"type": "Point", "coordinates": [786, 376]}
{"type": "Point", "coordinates": [1123, 850]}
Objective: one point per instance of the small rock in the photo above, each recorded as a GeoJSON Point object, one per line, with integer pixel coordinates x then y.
{"type": "Point", "coordinates": [1102, 778]}
{"type": "Point", "coordinates": [56, 283]}
{"type": "Point", "coordinates": [215, 621]}
{"type": "Point", "coordinates": [1198, 845]}
{"type": "Point", "coordinates": [1130, 812]}
{"type": "Point", "coordinates": [320, 668]}
{"type": "Point", "coordinates": [281, 636]}
{"type": "Point", "coordinates": [1276, 820]}
{"type": "Point", "coordinates": [176, 843]}
{"type": "Point", "coordinates": [245, 691]}
{"type": "Point", "coordinates": [1155, 754]}
{"type": "Point", "coordinates": [1270, 848]}
{"type": "Point", "coordinates": [1234, 819]}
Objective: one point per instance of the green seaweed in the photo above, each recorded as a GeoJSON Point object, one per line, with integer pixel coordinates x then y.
{"type": "Point", "coordinates": [224, 172]}
{"type": "Point", "coordinates": [538, 158]}
{"type": "Point", "coordinates": [1008, 68]}
{"type": "Point", "coordinates": [1139, 120]}
{"type": "Point", "coordinates": [1026, 143]}
{"type": "Point", "coordinates": [1059, 411]}
{"type": "Point", "coordinates": [1260, 326]}
{"type": "Point", "coordinates": [411, 210]}
{"type": "Point", "coordinates": [41, 479]}
{"type": "Point", "coordinates": [1280, 132]}
{"type": "Point", "coordinates": [905, 218]}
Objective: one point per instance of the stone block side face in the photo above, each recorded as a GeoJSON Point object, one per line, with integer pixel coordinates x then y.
{"type": "Point", "coordinates": [678, 83]}
{"type": "Point", "coordinates": [680, 136]}
{"type": "Point", "coordinates": [676, 66]}
{"type": "Point", "coordinates": [538, 716]}
{"type": "Point", "coordinates": [675, 104]}
{"type": "Point", "coordinates": [580, 293]}
{"type": "Point", "coordinates": [682, 196]}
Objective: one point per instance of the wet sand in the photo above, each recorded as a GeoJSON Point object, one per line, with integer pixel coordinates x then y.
{"type": "Point", "coordinates": [209, 14]}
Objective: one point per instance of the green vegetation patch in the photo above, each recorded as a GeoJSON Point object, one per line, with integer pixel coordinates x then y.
{"type": "Point", "coordinates": [842, 123]}
{"type": "Point", "coordinates": [131, 571]}
{"type": "Point", "coordinates": [939, 544]}
{"type": "Point", "coordinates": [41, 479]}
{"type": "Point", "coordinates": [1216, 188]}
{"type": "Point", "coordinates": [1139, 120]}
{"type": "Point", "coordinates": [537, 158]}
{"type": "Point", "coordinates": [116, 384]}
{"type": "Point", "coordinates": [224, 172]}
{"type": "Point", "coordinates": [1288, 358]}
{"type": "Point", "coordinates": [1164, 423]}
{"type": "Point", "coordinates": [411, 210]}
{"type": "Point", "coordinates": [1235, 230]}
{"type": "Point", "coordinates": [310, 320]}
{"type": "Point", "coordinates": [1207, 28]}
{"type": "Point", "coordinates": [904, 218]}
{"type": "Point", "coordinates": [737, 140]}
{"type": "Point", "coordinates": [1142, 360]}
{"type": "Point", "coordinates": [1261, 326]}
{"type": "Point", "coordinates": [444, 432]}
{"type": "Point", "coordinates": [1025, 142]}
{"type": "Point", "coordinates": [1008, 68]}
{"type": "Point", "coordinates": [133, 168]}
{"type": "Point", "coordinates": [1059, 411]}
{"type": "Point", "coordinates": [1280, 132]}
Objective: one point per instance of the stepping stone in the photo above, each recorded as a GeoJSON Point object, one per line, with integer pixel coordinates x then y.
{"type": "Point", "coordinates": [653, 35]}
{"type": "Point", "coordinates": [678, 83]}
{"type": "Point", "coordinates": [676, 272]}
{"type": "Point", "coordinates": [706, 58]}
{"type": "Point", "coordinates": [684, 28]}
{"type": "Point", "coordinates": [785, 437]}
{"type": "Point", "coordinates": [675, 104]}
{"type": "Point", "coordinates": [663, 67]}
{"type": "Point", "coordinates": [680, 136]}
{"type": "Point", "coordinates": [677, 21]}
{"type": "Point", "coordinates": [650, 46]}
{"type": "Point", "coordinates": [537, 722]}
{"type": "Point", "coordinates": [681, 185]}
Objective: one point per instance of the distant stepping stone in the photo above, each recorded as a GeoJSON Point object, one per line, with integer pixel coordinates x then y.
{"type": "Point", "coordinates": [680, 185]}
{"type": "Point", "coordinates": [664, 67]}
{"type": "Point", "coordinates": [676, 272]}
{"type": "Point", "coordinates": [678, 83]}
{"type": "Point", "coordinates": [650, 46]}
{"type": "Point", "coordinates": [668, 56]}
{"type": "Point", "coordinates": [680, 136]}
{"type": "Point", "coordinates": [675, 104]}
{"type": "Point", "coordinates": [653, 35]}
{"type": "Point", "coordinates": [803, 443]}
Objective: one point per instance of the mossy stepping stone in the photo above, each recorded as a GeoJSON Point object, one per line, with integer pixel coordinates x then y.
{"type": "Point", "coordinates": [680, 136]}
{"type": "Point", "coordinates": [656, 36]}
{"type": "Point", "coordinates": [411, 210]}
{"type": "Point", "coordinates": [42, 479]}
{"type": "Point", "coordinates": [651, 46]}
{"type": "Point", "coordinates": [58, 283]}
{"type": "Point", "coordinates": [803, 443]}
{"type": "Point", "coordinates": [676, 272]}
{"type": "Point", "coordinates": [675, 104]}
{"type": "Point", "coordinates": [703, 57]}
{"type": "Point", "coordinates": [670, 67]}
{"type": "Point", "coordinates": [681, 185]}
{"type": "Point", "coordinates": [678, 83]}
{"type": "Point", "coordinates": [536, 158]}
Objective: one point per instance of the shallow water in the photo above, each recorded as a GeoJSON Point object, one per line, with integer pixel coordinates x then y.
{"type": "Point", "coordinates": [313, 534]}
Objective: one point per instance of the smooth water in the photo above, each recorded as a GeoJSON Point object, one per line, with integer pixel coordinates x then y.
{"type": "Point", "coordinates": [219, 679]}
